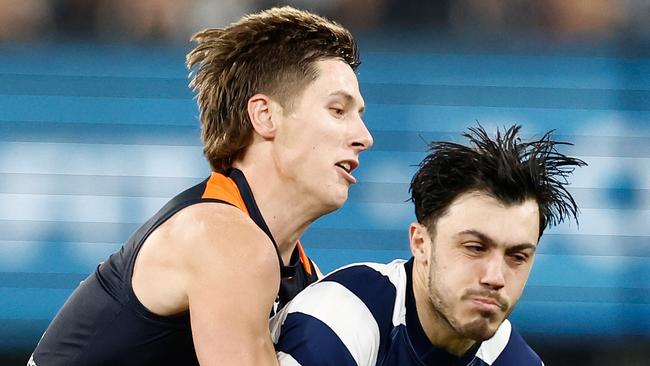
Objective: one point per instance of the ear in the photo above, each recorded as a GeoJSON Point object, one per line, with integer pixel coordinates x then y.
{"type": "Point", "coordinates": [260, 113]}
{"type": "Point", "coordinates": [420, 242]}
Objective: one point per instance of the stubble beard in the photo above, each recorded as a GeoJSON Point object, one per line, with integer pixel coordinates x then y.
{"type": "Point", "coordinates": [477, 329]}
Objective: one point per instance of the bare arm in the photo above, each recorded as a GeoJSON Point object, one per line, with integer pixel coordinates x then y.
{"type": "Point", "coordinates": [233, 279]}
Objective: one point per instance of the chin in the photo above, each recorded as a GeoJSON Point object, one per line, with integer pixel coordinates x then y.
{"type": "Point", "coordinates": [480, 329]}
{"type": "Point", "coordinates": [337, 203]}
{"type": "Point", "coordinates": [338, 198]}
{"type": "Point", "coordinates": [331, 204]}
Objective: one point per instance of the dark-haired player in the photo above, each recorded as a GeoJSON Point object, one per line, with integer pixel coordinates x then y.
{"type": "Point", "coordinates": [281, 126]}
{"type": "Point", "coordinates": [480, 211]}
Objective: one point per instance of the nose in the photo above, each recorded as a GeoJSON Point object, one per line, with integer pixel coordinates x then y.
{"type": "Point", "coordinates": [361, 138]}
{"type": "Point", "coordinates": [493, 276]}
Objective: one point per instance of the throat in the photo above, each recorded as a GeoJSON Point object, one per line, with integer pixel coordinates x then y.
{"type": "Point", "coordinates": [287, 255]}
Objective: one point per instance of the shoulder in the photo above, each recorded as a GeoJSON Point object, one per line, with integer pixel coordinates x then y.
{"type": "Point", "coordinates": [209, 216]}
{"type": "Point", "coordinates": [217, 226]}
{"type": "Point", "coordinates": [508, 348]}
{"type": "Point", "coordinates": [377, 286]}
{"type": "Point", "coordinates": [376, 274]}
{"type": "Point", "coordinates": [213, 239]}
{"type": "Point", "coordinates": [346, 315]}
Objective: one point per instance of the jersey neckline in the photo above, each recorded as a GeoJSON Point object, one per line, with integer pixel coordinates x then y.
{"type": "Point", "coordinates": [238, 177]}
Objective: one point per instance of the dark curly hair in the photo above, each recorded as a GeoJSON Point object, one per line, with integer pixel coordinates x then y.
{"type": "Point", "coordinates": [271, 52]}
{"type": "Point", "coordinates": [505, 167]}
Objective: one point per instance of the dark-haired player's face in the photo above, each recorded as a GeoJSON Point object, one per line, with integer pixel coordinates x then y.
{"type": "Point", "coordinates": [320, 138]}
{"type": "Point", "coordinates": [479, 262]}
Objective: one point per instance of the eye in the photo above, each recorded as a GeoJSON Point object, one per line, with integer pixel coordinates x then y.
{"type": "Point", "coordinates": [519, 258]}
{"type": "Point", "coordinates": [474, 248]}
{"type": "Point", "coordinates": [337, 111]}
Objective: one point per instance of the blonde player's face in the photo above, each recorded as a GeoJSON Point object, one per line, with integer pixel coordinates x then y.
{"type": "Point", "coordinates": [480, 260]}
{"type": "Point", "coordinates": [321, 136]}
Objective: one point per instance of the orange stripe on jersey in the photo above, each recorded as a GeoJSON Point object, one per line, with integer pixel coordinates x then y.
{"type": "Point", "coordinates": [303, 259]}
{"type": "Point", "coordinates": [223, 188]}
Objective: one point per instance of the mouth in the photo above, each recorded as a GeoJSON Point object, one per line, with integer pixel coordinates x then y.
{"type": "Point", "coordinates": [346, 167]}
{"type": "Point", "coordinates": [488, 304]}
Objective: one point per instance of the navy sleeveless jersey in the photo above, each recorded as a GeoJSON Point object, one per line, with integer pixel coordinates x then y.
{"type": "Point", "coordinates": [365, 315]}
{"type": "Point", "coordinates": [103, 323]}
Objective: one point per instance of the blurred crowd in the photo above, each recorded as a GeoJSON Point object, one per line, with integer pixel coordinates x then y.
{"type": "Point", "coordinates": [173, 20]}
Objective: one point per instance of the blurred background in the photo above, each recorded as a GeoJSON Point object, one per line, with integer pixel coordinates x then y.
{"type": "Point", "coordinates": [98, 130]}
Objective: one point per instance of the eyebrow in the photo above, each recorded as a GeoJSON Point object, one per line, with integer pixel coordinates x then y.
{"type": "Point", "coordinates": [348, 98]}
{"type": "Point", "coordinates": [489, 241]}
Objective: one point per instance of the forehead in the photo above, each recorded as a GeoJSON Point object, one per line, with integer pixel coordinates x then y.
{"type": "Point", "coordinates": [507, 224]}
{"type": "Point", "coordinates": [335, 78]}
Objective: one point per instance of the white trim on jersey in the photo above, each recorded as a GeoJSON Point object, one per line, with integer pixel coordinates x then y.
{"type": "Point", "coordinates": [286, 360]}
{"type": "Point", "coordinates": [343, 312]}
{"type": "Point", "coordinates": [491, 349]}
{"type": "Point", "coordinates": [275, 323]}
{"type": "Point", "coordinates": [397, 275]}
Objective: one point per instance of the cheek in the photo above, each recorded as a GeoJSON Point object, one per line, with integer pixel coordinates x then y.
{"type": "Point", "coordinates": [297, 146]}
{"type": "Point", "coordinates": [457, 272]}
{"type": "Point", "coordinates": [517, 283]}
{"type": "Point", "coordinates": [446, 282]}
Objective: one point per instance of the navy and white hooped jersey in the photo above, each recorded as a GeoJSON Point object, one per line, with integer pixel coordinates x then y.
{"type": "Point", "coordinates": [364, 314]}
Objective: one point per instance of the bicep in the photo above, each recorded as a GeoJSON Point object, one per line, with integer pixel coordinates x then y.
{"type": "Point", "coordinates": [231, 289]}
{"type": "Point", "coordinates": [230, 323]}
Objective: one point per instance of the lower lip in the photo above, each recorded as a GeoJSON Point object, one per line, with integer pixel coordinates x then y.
{"type": "Point", "coordinates": [486, 306]}
{"type": "Point", "coordinates": [351, 179]}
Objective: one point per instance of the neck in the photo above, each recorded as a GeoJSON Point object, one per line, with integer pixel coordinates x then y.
{"type": "Point", "coordinates": [285, 211]}
{"type": "Point", "coordinates": [436, 327]}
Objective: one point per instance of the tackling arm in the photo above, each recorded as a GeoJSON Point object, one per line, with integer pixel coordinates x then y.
{"type": "Point", "coordinates": [233, 279]}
